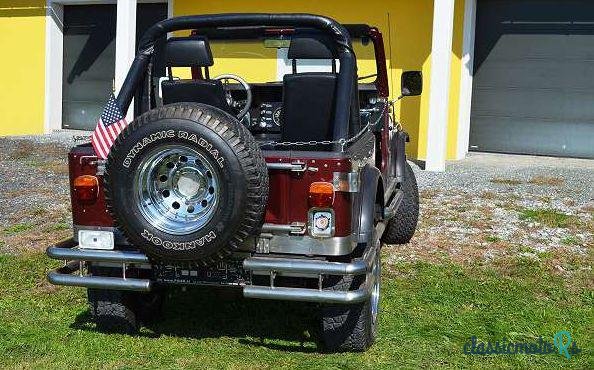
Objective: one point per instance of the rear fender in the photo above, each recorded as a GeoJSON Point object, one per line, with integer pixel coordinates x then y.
{"type": "Point", "coordinates": [370, 183]}
{"type": "Point", "coordinates": [400, 140]}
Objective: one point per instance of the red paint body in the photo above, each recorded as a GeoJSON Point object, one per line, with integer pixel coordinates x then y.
{"type": "Point", "coordinates": [83, 161]}
{"type": "Point", "coordinates": [289, 191]}
{"type": "Point", "coordinates": [288, 197]}
{"type": "Point", "coordinates": [287, 201]}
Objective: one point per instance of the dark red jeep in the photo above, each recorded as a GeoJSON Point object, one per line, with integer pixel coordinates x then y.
{"type": "Point", "coordinates": [286, 189]}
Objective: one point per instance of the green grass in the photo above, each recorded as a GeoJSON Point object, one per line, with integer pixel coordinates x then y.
{"type": "Point", "coordinates": [58, 226]}
{"type": "Point", "coordinates": [492, 238]}
{"type": "Point", "coordinates": [547, 216]}
{"type": "Point", "coordinates": [570, 240]}
{"type": "Point", "coordinates": [428, 313]}
{"type": "Point", "coordinates": [18, 228]}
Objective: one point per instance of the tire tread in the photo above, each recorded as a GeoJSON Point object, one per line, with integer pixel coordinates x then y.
{"type": "Point", "coordinates": [401, 228]}
{"type": "Point", "coordinates": [242, 143]}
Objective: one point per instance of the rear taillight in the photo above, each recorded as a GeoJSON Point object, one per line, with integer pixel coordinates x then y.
{"type": "Point", "coordinates": [86, 188]}
{"type": "Point", "coordinates": [321, 215]}
{"type": "Point", "coordinates": [321, 194]}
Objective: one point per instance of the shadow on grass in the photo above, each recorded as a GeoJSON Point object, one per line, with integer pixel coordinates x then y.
{"type": "Point", "coordinates": [202, 312]}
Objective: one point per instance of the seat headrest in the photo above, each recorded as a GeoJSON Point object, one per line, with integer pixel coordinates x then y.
{"type": "Point", "coordinates": [192, 51]}
{"type": "Point", "coordinates": [318, 47]}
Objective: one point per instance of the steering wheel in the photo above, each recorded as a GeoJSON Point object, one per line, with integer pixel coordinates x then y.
{"type": "Point", "coordinates": [225, 78]}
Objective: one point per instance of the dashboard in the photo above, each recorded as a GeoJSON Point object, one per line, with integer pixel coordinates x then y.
{"type": "Point", "coordinates": [265, 114]}
{"type": "Point", "coordinates": [267, 117]}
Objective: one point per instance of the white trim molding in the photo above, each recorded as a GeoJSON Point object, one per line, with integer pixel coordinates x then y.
{"type": "Point", "coordinates": [439, 90]}
{"type": "Point", "coordinates": [466, 79]}
{"type": "Point", "coordinates": [54, 23]}
{"type": "Point", "coordinates": [125, 45]}
{"type": "Point", "coordinates": [170, 6]}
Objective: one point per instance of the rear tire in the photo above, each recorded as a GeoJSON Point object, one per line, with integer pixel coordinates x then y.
{"type": "Point", "coordinates": [122, 311]}
{"type": "Point", "coordinates": [353, 327]}
{"type": "Point", "coordinates": [401, 228]}
{"type": "Point", "coordinates": [113, 311]}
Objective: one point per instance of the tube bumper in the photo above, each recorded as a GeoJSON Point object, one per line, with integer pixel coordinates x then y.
{"type": "Point", "coordinates": [311, 268]}
{"type": "Point", "coordinates": [74, 263]}
{"type": "Point", "coordinates": [72, 274]}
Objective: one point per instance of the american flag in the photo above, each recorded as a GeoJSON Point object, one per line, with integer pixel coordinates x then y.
{"type": "Point", "coordinates": [110, 124]}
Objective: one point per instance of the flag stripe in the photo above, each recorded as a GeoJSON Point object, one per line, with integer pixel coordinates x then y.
{"type": "Point", "coordinates": [112, 132]}
{"type": "Point", "coordinates": [101, 144]}
{"type": "Point", "coordinates": [106, 132]}
{"type": "Point", "coordinates": [109, 126]}
{"type": "Point", "coordinates": [97, 146]}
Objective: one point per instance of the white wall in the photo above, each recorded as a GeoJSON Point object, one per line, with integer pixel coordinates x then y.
{"type": "Point", "coordinates": [439, 90]}
{"type": "Point", "coordinates": [54, 22]}
{"type": "Point", "coordinates": [466, 78]}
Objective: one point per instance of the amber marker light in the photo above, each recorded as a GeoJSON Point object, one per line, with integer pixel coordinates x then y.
{"type": "Point", "coordinates": [321, 194]}
{"type": "Point", "coordinates": [86, 188]}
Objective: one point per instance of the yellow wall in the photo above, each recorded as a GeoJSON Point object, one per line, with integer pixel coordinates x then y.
{"type": "Point", "coordinates": [22, 62]}
{"type": "Point", "coordinates": [407, 29]}
{"type": "Point", "coordinates": [405, 24]}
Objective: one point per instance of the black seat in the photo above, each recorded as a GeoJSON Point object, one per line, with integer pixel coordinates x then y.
{"type": "Point", "coordinates": [309, 98]}
{"type": "Point", "coordinates": [192, 51]}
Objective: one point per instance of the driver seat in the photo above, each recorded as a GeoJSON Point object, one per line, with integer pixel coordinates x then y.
{"type": "Point", "coordinates": [193, 51]}
{"type": "Point", "coordinates": [309, 97]}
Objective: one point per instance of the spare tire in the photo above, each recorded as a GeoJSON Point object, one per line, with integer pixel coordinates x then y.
{"type": "Point", "coordinates": [186, 182]}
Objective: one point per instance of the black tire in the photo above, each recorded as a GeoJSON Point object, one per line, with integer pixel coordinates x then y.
{"type": "Point", "coordinates": [113, 311]}
{"type": "Point", "coordinates": [402, 226]}
{"type": "Point", "coordinates": [234, 156]}
{"type": "Point", "coordinates": [131, 308]}
{"type": "Point", "coordinates": [349, 328]}
{"type": "Point", "coordinates": [148, 306]}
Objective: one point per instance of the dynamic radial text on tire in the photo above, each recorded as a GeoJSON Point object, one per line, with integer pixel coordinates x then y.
{"type": "Point", "coordinates": [186, 182]}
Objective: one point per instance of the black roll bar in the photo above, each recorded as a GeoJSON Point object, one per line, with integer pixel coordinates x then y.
{"type": "Point", "coordinates": [348, 64]}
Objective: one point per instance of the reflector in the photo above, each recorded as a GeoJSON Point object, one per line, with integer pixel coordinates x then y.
{"type": "Point", "coordinates": [321, 194]}
{"type": "Point", "coordinates": [86, 188]}
{"type": "Point", "coordinates": [95, 239]}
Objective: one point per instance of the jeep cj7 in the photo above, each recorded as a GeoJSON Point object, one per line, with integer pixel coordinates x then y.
{"type": "Point", "coordinates": [285, 189]}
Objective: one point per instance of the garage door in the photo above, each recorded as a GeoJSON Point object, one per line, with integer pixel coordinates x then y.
{"type": "Point", "coordinates": [89, 58]}
{"type": "Point", "coordinates": [533, 87]}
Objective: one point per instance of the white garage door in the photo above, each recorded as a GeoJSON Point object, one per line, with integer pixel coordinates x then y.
{"type": "Point", "coordinates": [533, 87]}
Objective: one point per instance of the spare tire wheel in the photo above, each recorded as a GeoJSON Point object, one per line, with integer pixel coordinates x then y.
{"type": "Point", "coordinates": [186, 182]}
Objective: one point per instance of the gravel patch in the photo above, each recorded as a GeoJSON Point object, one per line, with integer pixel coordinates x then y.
{"type": "Point", "coordinates": [34, 196]}
{"type": "Point", "coordinates": [491, 206]}
{"type": "Point", "coordinates": [571, 178]}
{"type": "Point", "coordinates": [64, 138]}
{"type": "Point", "coordinates": [482, 209]}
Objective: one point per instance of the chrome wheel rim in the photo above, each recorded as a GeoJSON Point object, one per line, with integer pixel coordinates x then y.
{"type": "Point", "coordinates": [375, 293]}
{"type": "Point", "coordinates": [176, 189]}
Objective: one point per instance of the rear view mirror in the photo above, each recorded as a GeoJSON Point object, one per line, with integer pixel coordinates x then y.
{"type": "Point", "coordinates": [412, 83]}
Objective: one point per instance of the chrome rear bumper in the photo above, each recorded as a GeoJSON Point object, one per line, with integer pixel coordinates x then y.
{"type": "Point", "coordinates": [72, 273]}
{"type": "Point", "coordinates": [65, 276]}
{"type": "Point", "coordinates": [311, 268]}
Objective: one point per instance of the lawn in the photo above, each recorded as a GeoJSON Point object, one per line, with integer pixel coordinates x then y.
{"type": "Point", "coordinates": [504, 250]}
{"type": "Point", "coordinates": [428, 313]}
